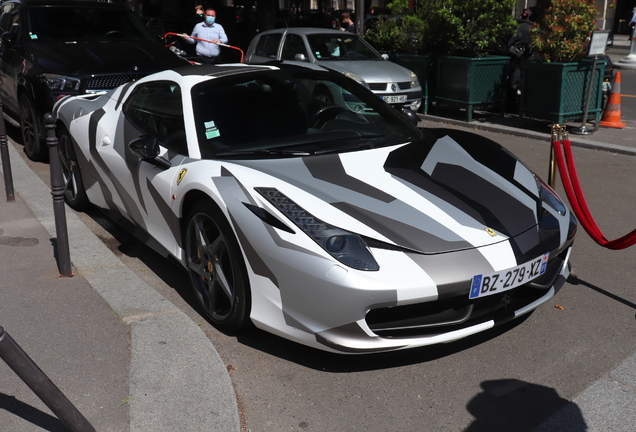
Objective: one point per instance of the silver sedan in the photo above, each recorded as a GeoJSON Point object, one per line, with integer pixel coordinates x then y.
{"type": "Point", "coordinates": [343, 52]}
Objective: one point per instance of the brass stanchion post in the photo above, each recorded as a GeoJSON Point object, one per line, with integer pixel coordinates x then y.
{"type": "Point", "coordinates": [554, 136]}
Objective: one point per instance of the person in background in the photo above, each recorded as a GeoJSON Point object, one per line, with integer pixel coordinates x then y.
{"type": "Point", "coordinates": [208, 51]}
{"type": "Point", "coordinates": [632, 22]}
{"type": "Point", "coordinates": [198, 10]}
{"type": "Point", "coordinates": [347, 24]}
{"type": "Point", "coordinates": [335, 24]}
{"type": "Point", "coordinates": [371, 13]}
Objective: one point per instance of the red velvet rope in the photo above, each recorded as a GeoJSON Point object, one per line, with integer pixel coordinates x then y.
{"type": "Point", "coordinates": [205, 40]}
{"type": "Point", "coordinates": [572, 187]}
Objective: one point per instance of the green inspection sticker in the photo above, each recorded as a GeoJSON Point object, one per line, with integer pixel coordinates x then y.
{"type": "Point", "coordinates": [210, 130]}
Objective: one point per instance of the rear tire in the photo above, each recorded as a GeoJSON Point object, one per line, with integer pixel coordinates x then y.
{"type": "Point", "coordinates": [34, 146]}
{"type": "Point", "coordinates": [74, 192]}
{"type": "Point", "coordinates": [217, 271]}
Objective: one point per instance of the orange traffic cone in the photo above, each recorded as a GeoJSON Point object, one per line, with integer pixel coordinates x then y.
{"type": "Point", "coordinates": [612, 113]}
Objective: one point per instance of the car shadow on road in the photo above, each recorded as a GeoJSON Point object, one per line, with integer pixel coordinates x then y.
{"type": "Point", "coordinates": [573, 280]}
{"type": "Point", "coordinates": [513, 405]}
{"type": "Point", "coordinates": [339, 363]}
{"type": "Point", "coordinates": [31, 414]}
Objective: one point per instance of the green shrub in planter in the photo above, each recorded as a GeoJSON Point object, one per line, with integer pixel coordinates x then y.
{"type": "Point", "coordinates": [460, 28]}
{"type": "Point", "coordinates": [558, 91]}
{"type": "Point", "coordinates": [560, 36]}
{"type": "Point", "coordinates": [556, 87]}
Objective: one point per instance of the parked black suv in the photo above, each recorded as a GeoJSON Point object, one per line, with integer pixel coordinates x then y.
{"type": "Point", "coordinates": [50, 48]}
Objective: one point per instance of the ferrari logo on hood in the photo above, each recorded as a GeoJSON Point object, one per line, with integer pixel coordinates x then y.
{"type": "Point", "coordinates": [491, 232]}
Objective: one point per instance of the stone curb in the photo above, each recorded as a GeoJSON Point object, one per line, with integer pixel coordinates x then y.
{"type": "Point", "coordinates": [177, 380]}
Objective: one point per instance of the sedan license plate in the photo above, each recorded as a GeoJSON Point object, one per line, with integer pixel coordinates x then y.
{"type": "Point", "coordinates": [494, 283]}
{"type": "Point", "coordinates": [394, 99]}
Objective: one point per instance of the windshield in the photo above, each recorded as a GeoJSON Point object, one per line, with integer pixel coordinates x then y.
{"type": "Point", "coordinates": [345, 46]}
{"type": "Point", "coordinates": [292, 112]}
{"type": "Point", "coordinates": [83, 23]}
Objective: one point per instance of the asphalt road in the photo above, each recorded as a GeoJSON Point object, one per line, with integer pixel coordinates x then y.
{"type": "Point", "coordinates": [511, 378]}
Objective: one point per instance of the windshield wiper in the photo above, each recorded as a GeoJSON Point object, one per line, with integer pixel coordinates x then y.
{"type": "Point", "coordinates": [366, 145]}
{"type": "Point", "coordinates": [262, 152]}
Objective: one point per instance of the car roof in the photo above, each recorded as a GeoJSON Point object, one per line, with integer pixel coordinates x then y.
{"type": "Point", "coordinates": [221, 70]}
{"type": "Point", "coordinates": [307, 31]}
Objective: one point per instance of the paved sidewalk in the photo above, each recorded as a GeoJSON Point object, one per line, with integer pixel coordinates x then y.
{"type": "Point", "coordinates": [122, 353]}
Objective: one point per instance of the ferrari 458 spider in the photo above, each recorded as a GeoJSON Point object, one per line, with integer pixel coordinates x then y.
{"type": "Point", "coordinates": [337, 224]}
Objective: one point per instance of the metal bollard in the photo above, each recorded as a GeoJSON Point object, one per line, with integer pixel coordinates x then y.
{"type": "Point", "coordinates": [6, 162]}
{"type": "Point", "coordinates": [57, 191]}
{"type": "Point", "coordinates": [42, 386]}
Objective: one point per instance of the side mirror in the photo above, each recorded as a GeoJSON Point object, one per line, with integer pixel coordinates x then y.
{"type": "Point", "coordinates": [409, 114]}
{"type": "Point", "coordinates": [146, 148]}
{"type": "Point", "coordinates": [300, 57]}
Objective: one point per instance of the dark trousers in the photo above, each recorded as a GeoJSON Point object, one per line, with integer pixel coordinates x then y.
{"type": "Point", "coordinates": [209, 60]}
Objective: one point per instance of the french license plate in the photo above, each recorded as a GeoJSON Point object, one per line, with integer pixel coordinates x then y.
{"type": "Point", "coordinates": [497, 282]}
{"type": "Point", "coordinates": [394, 99]}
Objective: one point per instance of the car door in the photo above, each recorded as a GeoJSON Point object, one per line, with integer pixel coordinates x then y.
{"type": "Point", "coordinates": [153, 111]}
{"type": "Point", "coordinates": [293, 45]}
{"type": "Point", "coordinates": [265, 48]}
{"type": "Point", "coordinates": [11, 58]}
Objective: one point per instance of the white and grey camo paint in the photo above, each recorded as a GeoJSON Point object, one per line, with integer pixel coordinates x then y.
{"type": "Point", "coordinates": [433, 199]}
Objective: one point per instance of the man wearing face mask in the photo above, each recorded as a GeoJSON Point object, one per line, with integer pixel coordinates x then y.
{"type": "Point", "coordinates": [207, 52]}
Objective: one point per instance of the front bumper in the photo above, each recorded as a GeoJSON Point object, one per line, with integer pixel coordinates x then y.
{"type": "Point", "coordinates": [417, 325]}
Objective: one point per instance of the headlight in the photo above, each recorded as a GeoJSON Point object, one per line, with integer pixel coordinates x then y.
{"type": "Point", "coordinates": [549, 196]}
{"type": "Point", "coordinates": [414, 81]}
{"type": "Point", "coordinates": [345, 246]}
{"type": "Point", "coordinates": [61, 82]}
{"type": "Point", "coordinates": [356, 78]}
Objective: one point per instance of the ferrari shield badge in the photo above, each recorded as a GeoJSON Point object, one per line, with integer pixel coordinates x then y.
{"type": "Point", "coordinates": [488, 230]}
{"type": "Point", "coordinates": [181, 175]}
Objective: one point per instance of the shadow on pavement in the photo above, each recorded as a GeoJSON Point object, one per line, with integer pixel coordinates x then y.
{"type": "Point", "coordinates": [513, 405]}
{"type": "Point", "coordinates": [573, 280]}
{"type": "Point", "coordinates": [33, 415]}
{"type": "Point", "coordinates": [339, 363]}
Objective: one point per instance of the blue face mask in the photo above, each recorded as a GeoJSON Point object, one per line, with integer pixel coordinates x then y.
{"type": "Point", "coordinates": [209, 20]}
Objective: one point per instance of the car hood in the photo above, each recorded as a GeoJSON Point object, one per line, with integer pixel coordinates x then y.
{"type": "Point", "coordinates": [427, 198]}
{"type": "Point", "coordinates": [370, 70]}
{"type": "Point", "coordinates": [93, 58]}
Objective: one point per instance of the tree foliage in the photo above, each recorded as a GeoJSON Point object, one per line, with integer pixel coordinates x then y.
{"type": "Point", "coordinates": [562, 33]}
{"type": "Point", "coordinates": [458, 27]}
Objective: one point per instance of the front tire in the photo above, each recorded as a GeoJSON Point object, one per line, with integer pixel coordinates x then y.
{"type": "Point", "coordinates": [33, 145]}
{"type": "Point", "coordinates": [74, 192]}
{"type": "Point", "coordinates": [217, 271]}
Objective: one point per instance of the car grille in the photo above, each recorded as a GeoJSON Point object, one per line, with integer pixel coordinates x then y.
{"type": "Point", "coordinates": [383, 86]}
{"type": "Point", "coordinates": [107, 82]}
{"type": "Point", "coordinates": [436, 317]}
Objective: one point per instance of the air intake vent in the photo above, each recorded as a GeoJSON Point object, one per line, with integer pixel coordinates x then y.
{"type": "Point", "coordinates": [107, 82]}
